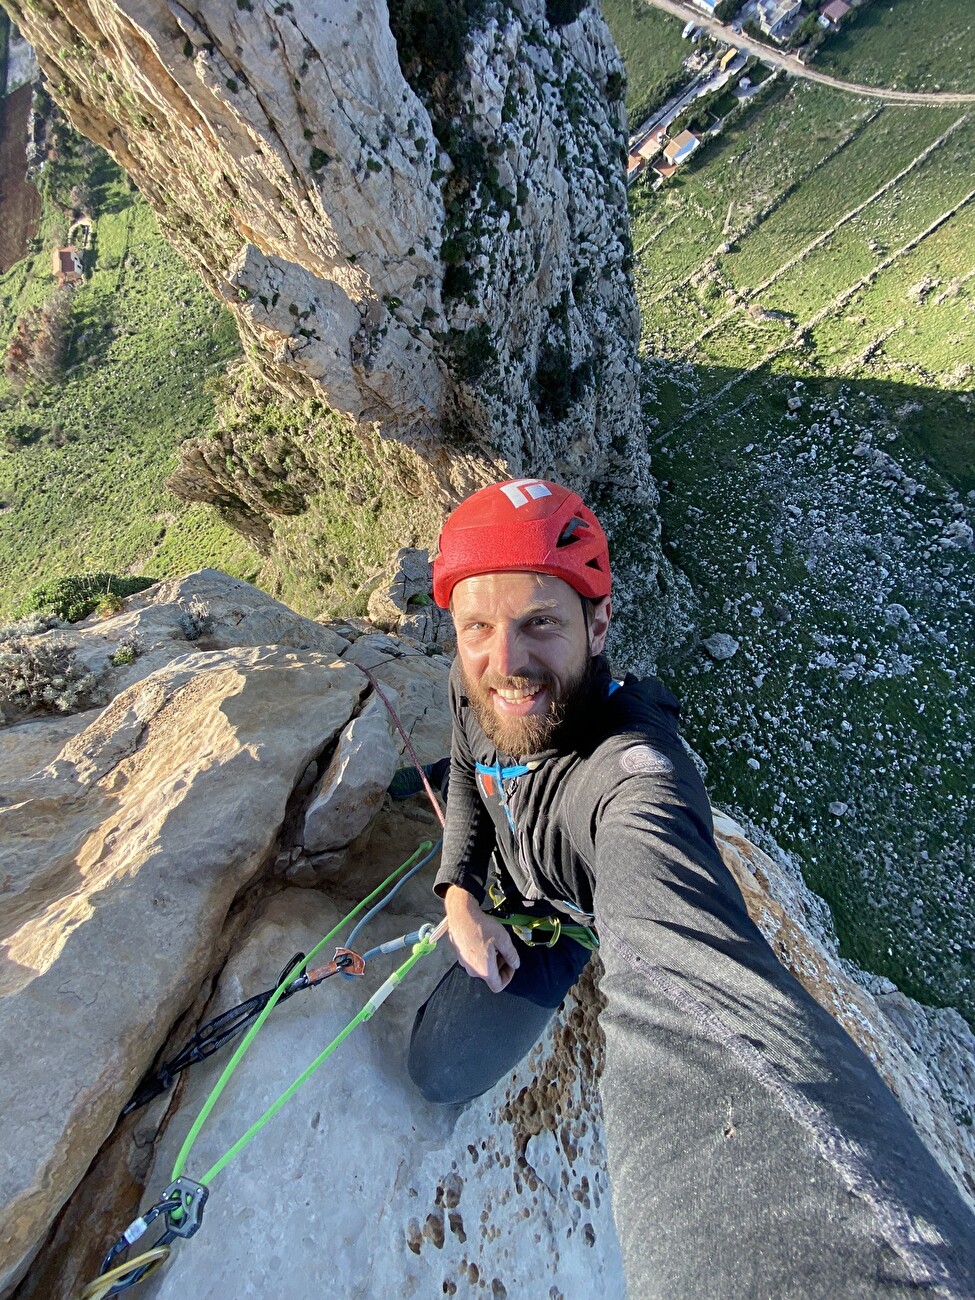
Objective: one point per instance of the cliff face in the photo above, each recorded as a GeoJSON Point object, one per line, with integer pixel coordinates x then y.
{"type": "Point", "coordinates": [162, 858]}
{"type": "Point", "coordinates": [415, 214]}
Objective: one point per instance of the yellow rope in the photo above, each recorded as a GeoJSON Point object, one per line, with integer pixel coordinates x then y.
{"type": "Point", "coordinates": [101, 1286]}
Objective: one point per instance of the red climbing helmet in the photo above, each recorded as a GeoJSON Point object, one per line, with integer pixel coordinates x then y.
{"type": "Point", "coordinates": [523, 525]}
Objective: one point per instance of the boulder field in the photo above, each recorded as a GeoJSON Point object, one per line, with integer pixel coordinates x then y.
{"type": "Point", "coordinates": [163, 856]}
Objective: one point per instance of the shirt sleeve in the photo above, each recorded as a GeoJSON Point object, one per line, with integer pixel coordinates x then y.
{"type": "Point", "coordinates": [469, 838]}
{"type": "Point", "coordinates": [727, 1086]}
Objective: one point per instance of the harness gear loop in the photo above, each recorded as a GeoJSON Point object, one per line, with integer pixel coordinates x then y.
{"type": "Point", "coordinates": [525, 927]}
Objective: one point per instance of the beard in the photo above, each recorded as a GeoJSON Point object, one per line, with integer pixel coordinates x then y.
{"type": "Point", "coordinates": [537, 732]}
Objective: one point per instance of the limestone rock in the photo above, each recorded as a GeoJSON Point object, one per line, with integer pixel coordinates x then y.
{"type": "Point", "coordinates": [349, 793]}
{"type": "Point", "coordinates": [404, 601]}
{"type": "Point", "coordinates": [721, 646]}
{"type": "Point", "coordinates": [926, 1056]}
{"type": "Point", "coordinates": [420, 682]}
{"type": "Point", "coordinates": [29, 745]}
{"type": "Point", "coordinates": [120, 863]}
{"type": "Point", "coordinates": [206, 610]}
{"type": "Point", "coordinates": [432, 239]}
{"type": "Point", "coordinates": [373, 1191]}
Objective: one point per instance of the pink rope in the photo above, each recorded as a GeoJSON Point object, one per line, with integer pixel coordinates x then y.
{"type": "Point", "coordinates": [409, 745]}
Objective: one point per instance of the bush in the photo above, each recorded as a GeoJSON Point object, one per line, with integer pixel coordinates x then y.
{"type": "Point", "coordinates": [37, 347]}
{"type": "Point", "coordinates": [126, 653]}
{"type": "Point", "coordinates": [41, 674]}
{"type": "Point", "coordinates": [72, 599]}
{"type": "Point", "coordinates": [195, 618]}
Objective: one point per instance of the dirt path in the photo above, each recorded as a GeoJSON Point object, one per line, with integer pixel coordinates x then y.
{"type": "Point", "coordinates": [789, 63]}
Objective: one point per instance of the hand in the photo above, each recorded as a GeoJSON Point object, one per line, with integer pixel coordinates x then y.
{"type": "Point", "coordinates": [483, 945]}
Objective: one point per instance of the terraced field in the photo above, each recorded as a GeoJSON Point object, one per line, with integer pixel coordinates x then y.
{"type": "Point", "coordinates": [906, 45]}
{"type": "Point", "coordinates": [807, 286]}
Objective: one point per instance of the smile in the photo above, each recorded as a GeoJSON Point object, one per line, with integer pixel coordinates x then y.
{"type": "Point", "coordinates": [523, 694]}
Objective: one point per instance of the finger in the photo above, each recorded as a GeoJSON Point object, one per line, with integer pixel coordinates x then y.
{"type": "Point", "coordinates": [493, 977]}
{"type": "Point", "coordinates": [508, 951]}
{"type": "Point", "coordinates": [506, 973]}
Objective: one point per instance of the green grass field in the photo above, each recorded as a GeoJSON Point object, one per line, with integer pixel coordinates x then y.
{"type": "Point", "coordinates": [83, 460]}
{"type": "Point", "coordinates": [905, 45]}
{"type": "Point", "coordinates": [651, 45]}
{"type": "Point", "coordinates": [808, 322]}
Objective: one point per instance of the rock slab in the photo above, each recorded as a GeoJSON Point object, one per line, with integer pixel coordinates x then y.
{"type": "Point", "coordinates": [121, 860]}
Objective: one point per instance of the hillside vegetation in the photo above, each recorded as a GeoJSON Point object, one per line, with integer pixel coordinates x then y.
{"type": "Point", "coordinates": [85, 450]}
{"type": "Point", "coordinates": [654, 53]}
{"type": "Point", "coordinates": [807, 285]}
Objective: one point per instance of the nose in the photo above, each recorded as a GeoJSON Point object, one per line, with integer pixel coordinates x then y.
{"type": "Point", "coordinates": [509, 657]}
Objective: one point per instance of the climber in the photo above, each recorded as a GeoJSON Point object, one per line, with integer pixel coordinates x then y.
{"type": "Point", "coordinates": [753, 1150]}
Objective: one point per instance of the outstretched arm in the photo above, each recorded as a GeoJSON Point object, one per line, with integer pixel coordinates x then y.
{"type": "Point", "coordinates": [753, 1148]}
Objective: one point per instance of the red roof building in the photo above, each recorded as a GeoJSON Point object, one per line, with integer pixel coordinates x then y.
{"type": "Point", "coordinates": [67, 266]}
{"type": "Point", "coordinates": [832, 14]}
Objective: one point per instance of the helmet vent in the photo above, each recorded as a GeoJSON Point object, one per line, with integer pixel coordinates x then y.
{"type": "Point", "coordinates": [568, 533]}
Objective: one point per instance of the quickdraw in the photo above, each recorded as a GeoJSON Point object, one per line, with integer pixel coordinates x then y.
{"type": "Point", "coordinates": [181, 1204]}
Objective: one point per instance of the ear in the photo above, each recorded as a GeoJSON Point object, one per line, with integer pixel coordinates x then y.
{"type": "Point", "coordinates": [601, 614]}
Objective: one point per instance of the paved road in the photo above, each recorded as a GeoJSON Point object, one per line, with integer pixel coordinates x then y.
{"type": "Point", "coordinates": [769, 54]}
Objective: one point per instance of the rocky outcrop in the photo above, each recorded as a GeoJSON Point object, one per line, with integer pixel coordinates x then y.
{"type": "Point", "coordinates": [416, 214]}
{"type": "Point", "coordinates": [151, 852]}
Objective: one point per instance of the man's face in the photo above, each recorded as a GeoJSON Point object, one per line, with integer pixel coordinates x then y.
{"type": "Point", "coordinates": [524, 654]}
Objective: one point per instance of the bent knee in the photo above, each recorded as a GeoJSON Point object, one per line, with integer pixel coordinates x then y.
{"type": "Point", "coordinates": [441, 1085]}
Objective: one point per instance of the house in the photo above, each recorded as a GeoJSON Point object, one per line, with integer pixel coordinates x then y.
{"type": "Point", "coordinates": [774, 14]}
{"type": "Point", "coordinates": [832, 14]}
{"type": "Point", "coordinates": [651, 145]}
{"type": "Point", "coordinates": [680, 148]}
{"type": "Point", "coordinates": [66, 264]}
{"type": "Point", "coordinates": [707, 6]}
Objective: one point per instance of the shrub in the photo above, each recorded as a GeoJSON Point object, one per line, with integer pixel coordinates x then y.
{"type": "Point", "coordinates": [126, 653]}
{"type": "Point", "coordinates": [75, 598]}
{"type": "Point", "coordinates": [195, 618]}
{"type": "Point", "coordinates": [108, 604]}
{"type": "Point", "coordinates": [36, 349]}
{"type": "Point", "coordinates": [42, 675]}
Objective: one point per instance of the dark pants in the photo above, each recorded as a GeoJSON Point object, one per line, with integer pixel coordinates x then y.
{"type": "Point", "coordinates": [465, 1037]}
{"type": "Point", "coordinates": [754, 1151]}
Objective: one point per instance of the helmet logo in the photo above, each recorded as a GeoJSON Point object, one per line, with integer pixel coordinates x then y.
{"type": "Point", "coordinates": [534, 490]}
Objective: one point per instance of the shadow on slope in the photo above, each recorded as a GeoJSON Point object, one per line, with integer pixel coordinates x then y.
{"type": "Point", "coordinates": [826, 526]}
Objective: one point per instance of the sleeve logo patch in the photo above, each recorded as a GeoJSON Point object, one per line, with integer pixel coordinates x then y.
{"type": "Point", "coordinates": [643, 760]}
